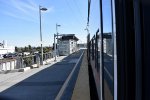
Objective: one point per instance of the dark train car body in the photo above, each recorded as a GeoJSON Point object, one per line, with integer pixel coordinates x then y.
{"type": "Point", "coordinates": [119, 48]}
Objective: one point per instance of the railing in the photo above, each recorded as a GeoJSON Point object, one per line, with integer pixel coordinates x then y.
{"type": "Point", "coordinates": [22, 62]}
{"type": "Point", "coordinates": [7, 64]}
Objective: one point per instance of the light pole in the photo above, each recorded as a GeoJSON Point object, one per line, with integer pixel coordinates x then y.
{"type": "Point", "coordinates": [54, 47]}
{"type": "Point", "coordinates": [55, 44]}
{"type": "Point", "coordinates": [57, 34]}
{"type": "Point", "coordinates": [41, 9]}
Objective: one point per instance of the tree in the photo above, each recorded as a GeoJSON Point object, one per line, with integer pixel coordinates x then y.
{"type": "Point", "coordinates": [26, 49]}
{"type": "Point", "coordinates": [19, 50]}
{"type": "Point", "coordinates": [29, 46]}
{"type": "Point", "coordinates": [46, 49]}
{"type": "Point", "coordinates": [38, 49]}
{"type": "Point", "coordinates": [28, 61]}
{"type": "Point", "coordinates": [22, 49]}
{"type": "Point", "coordinates": [16, 49]}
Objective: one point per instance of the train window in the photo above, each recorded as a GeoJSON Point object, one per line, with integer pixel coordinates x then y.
{"type": "Point", "coordinates": [95, 29]}
{"type": "Point", "coordinates": [108, 49]}
{"type": "Point", "coordinates": [103, 48]}
{"type": "Point", "coordinates": [96, 50]}
{"type": "Point", "coordinates": [93, 49]}
{"type": "Point", "coordinates": [94, 17]}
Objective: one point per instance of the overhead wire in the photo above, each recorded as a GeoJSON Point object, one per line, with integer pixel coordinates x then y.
{"type": "Point", "coordinates": [71, 9]}
{"type": "Point", "coordinates": [78, 9]}
{"type": "Point", "coordinates": [75, 11]}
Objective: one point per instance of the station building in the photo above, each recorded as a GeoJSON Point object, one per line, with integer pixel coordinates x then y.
{"type": "Point", "coordinates": [67, 44]}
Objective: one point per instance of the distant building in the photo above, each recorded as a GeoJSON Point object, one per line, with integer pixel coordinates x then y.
{"type": "Point", "coordinates": [108, 43]}
{"type": "Point", "coordinates": [82, 46]}
{"type": "Point", "coordinates": [67, 44]}
{"type": "Point", "coordinates": [6, 49]}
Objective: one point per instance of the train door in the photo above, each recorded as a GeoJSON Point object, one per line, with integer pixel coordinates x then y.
{"type": "Point", "coordinates": [133, 28]}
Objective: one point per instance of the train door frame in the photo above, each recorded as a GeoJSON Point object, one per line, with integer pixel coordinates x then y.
{"type": "Point", "coordinates": [101, 53]}
{"type": "Point", "coordinates": [138, 49]}
{"type": "Point", "coordinates": [96, 50]}
{"type": "Point", "coordinates": [114, 48]}
{"type": "Point", "coordinates": [113, 14]}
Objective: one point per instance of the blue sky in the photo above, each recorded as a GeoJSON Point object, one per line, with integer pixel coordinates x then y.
{"type": "Point", "coordinates": [19, 22]}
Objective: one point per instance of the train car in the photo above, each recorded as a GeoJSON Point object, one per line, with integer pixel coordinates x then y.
{"type": "Point", "coordinates": [118, 52]}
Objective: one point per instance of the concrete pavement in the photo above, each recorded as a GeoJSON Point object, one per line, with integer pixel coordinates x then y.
{"type": "Point", "coordinates": [42, 84]}
{"type": "Point", "coordinates": [82, 88]}
{"type": "Point", "coordinates": [10, 79]}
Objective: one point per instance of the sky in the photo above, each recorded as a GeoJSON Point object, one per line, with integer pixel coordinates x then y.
{"type": "Point", "coordinates": [19, 20]}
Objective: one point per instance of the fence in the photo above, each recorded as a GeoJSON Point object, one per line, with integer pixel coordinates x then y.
{"type": "Point", "coordinates": [22, 62]}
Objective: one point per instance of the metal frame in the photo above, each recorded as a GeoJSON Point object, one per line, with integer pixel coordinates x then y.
{"type": "Point", "coordinates": [138, 49]}
{"type": "Point", "coordinates": [130, 32]}
{"type": "Point", "coordinates": [101, 54]}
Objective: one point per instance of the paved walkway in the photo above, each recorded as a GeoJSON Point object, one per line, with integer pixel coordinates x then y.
{"type": "Point", "coordinates": [44, 83]}
{"type": "Point", "coordinates": [10, 79]}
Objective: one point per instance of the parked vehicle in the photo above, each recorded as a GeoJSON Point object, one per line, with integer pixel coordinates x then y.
{"type": "Point", "coordinates": [10, 55]}
{"type": "Point", "coordinates": [26, 53]}
{"type": "Point", "coordinates": [5, 56]}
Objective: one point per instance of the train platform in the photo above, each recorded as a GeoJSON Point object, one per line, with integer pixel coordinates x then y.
{"type": "Point", "coordinates": [82, 87]}
{"type": "Point", "coordinates": [66, 79]}
{"type": "Point", "coordinates": [10, 79]}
